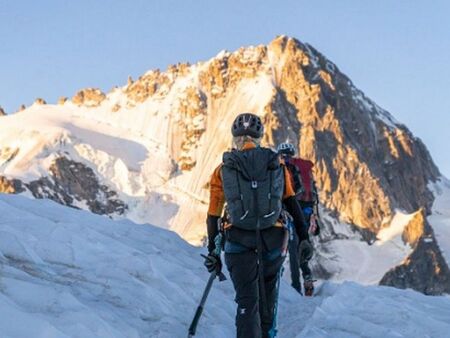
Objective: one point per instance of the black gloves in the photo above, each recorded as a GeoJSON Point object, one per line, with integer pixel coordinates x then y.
{"type": "Point", "coordinates": [213, 263]}
{"type": "Point", "coordinates": [305, 251]}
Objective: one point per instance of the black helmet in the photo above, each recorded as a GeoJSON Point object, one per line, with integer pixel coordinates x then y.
{"type": "Point", "coordinates": [247, 124]}
{"type": "Point", "coordinates": [286, 149]}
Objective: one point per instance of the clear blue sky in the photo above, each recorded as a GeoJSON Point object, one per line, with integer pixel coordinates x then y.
{"type": "Point", "coordinates": [397, 51]}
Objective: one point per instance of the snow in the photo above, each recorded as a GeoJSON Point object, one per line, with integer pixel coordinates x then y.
{"type": "Point", "coordinates": [375, 110]}
{"type": "Point", "coordinates": [223, 53]}
{"type": "Point", "coordinates": [312, 57]}
{"type": "Point", "coordinates": [440, 217]}
{"type": "Point", "coordinates": [69, 273]}
{"type": "Point", "coordinates": [66, 272]}
{"type": "Point", "coordinates": [395, 229]}
{"type": "Point", "coordinates": [348, 257]}
{"type": "Point", "coordinates": [350, 310]}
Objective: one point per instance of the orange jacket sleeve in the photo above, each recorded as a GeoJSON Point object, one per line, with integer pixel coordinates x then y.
{"type": "Point", "coordinates": [288, 185]}
{"type": "Point", "coordinates": [216, 195]}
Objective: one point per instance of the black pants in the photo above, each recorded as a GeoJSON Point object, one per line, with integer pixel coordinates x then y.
{"type": "Point", "coordinates": [293, 255]}
{"type": "Point", "coordinates": [251, 322]}
{"type": "Point", "coordinates": [295, 265]}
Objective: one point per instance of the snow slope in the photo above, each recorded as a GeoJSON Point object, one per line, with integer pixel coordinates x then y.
{"type": "Point", "coordinates": [69, 273]}
{"type": "Point", "coordinates": [133, 165]}
{"type": "Point", "coordinates": [349, 258]}
{"type": "Point", "coordinates": [440, 218]}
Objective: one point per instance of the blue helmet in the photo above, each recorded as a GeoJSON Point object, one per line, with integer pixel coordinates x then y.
{"type": "Point", "coordinates": [286, 149]}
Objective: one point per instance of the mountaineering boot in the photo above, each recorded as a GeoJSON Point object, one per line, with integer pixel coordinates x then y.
{"type": "Point", "coordinates": [308, 285]}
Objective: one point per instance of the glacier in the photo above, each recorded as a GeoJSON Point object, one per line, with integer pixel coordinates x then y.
{"type": "Point", "coordinates": [70, 273]}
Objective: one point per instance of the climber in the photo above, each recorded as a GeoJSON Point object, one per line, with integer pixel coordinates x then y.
{"type": "Point", "coordinates": [254, 184]}
{"type": "Point", "coordinates": [306, 194]}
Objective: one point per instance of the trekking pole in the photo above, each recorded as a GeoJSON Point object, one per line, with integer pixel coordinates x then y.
{"type": "Point", "coordinates": [199, 311]}
{"type": "Point", "coordinates": [212, 276]}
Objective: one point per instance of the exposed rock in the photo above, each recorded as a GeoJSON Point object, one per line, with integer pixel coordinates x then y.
{"type": "Point", "coordinates": [22, 107]}
{"type": "Point", "coordinates": [425, 270]}
{"type": "Point", "coordinates": [154, 83]}
{"type": "Point", "coordinates": [230, 69]}
{"type": "Point", "coordinates": [62, 100]}
{"type": "Point", "coordinates": [2, 112]}
{"type": "Point", "coordinates": [193, 109]}
{"type": "Point", "coordinates": [10, 186]}
{"type": "Point", "coordinates": [89, 97]}
{"type": "Point", "coordinates": [348, 137]}
{"type": "Point", "coordinates": [40, 101]}
{"type": "Point", "coordinates": [7, 154]}
{"type": "Point", "coordinates": [148, 85]}
{"type": "Point", "coordinates": [71, 182]}
{"type": "Point", "coordinates": [115, 108]}
{"type": "Point", "coordinates": [130, 81]}
{"type": "Point", "coordinates": [415, 229]}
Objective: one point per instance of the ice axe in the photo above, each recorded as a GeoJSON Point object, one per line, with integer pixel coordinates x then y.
{"type": "Point", "coordinates": [212, 276]}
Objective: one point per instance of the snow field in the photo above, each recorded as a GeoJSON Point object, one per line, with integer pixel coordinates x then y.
{"type": "Point", "coordinates": [440, 217]}
{"type": "Point", "coordinates": [69, 273]}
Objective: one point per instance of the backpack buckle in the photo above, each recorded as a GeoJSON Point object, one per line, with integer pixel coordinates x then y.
{"type": "Point", "coordinates": [254, 184]}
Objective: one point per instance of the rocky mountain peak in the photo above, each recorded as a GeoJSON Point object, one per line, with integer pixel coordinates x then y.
{"type": "Point", "coordinates": [174, 125]}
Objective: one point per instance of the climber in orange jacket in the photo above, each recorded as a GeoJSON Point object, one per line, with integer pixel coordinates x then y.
{"type": "Point", "coordinates": [253, 185]}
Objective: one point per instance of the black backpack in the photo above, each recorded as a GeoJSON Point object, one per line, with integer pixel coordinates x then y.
{"type": "Point", "coordinates": [253, 183]}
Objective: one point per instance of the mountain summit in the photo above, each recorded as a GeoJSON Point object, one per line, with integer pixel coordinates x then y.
{"type": "Point", "coordinates": [145, 151]}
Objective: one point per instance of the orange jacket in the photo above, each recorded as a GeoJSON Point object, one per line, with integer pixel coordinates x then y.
{"type": "Point", "coordinates": [217, 196]}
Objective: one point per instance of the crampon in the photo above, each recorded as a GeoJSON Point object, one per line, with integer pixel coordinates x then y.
{"type": "Point", "coordinates": [308, 285]}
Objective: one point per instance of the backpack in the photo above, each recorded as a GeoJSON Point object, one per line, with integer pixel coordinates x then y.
{"type": "Point", "coordinates": [253, 184]}
{"type": "Point", "coordinates": [301, 171]}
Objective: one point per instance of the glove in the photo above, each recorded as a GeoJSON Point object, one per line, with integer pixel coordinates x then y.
{"type": "Point", "coordinates": [213, 263]}
{"type": "Point", "coordinates": [305, 251]}
{"type": "Point", "coordinates": [314, 226]}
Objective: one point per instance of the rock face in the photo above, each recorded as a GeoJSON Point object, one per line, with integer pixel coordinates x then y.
{"type": "Point", "coordinates": [72, 184]}
{"type": "Point", "coordinates": [357, 147]}
{"type": "Point", "coordinates": [192, 125]}
{"type": "Point", "coordinates": [425, 269]}
{"type": "Point", "coordinates": [2, 112]}
{"type": "Point", "coordinates": [415, 229]}
{"type": "Point", "coordinates": [89, 97]}
{"type": "Point", "coordinates": [10, 186]}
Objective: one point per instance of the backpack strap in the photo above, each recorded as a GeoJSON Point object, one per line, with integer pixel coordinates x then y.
{"type": "Point", "coordinates": [270, 192]}
{"type": "Point", "coordinates": [259, 248]}
{"type": "Point", "coordinates": [244, 212]}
